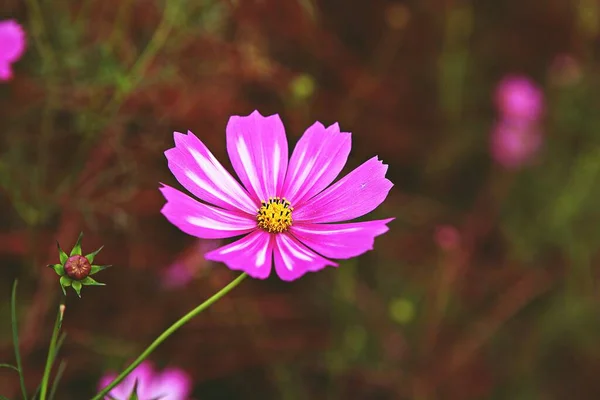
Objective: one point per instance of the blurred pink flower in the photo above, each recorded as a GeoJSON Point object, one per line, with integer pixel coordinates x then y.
{"type": "Point", "coordinates": [272, 194]}
{"type": "Point", "coordinates": [515, 143]}
{"type": "Point", "coordinates": [170, 384]}
{"type": "Point", "coordinates": [517, 97]}
{"type": "Point", "coordinates": [447, 237]}
{"type": "Point", "coordinates": [185, 268]}
{"type": "Point", "coordinates": [12, 46]}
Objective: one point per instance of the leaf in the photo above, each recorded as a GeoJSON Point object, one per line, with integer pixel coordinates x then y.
{"type": "Point", "coordinates": [98, 268]}
{"type": "Point", "coordinates": [77, 248]}
{"type": "Point", "coordinates": [90, 257]}
{"type": "Point", "coordinates": [88, 281]}
{"type": "Point", "coordinates": [58, 268]}
{"type": "Point", "coordinates": [61, 254]}
{"type": "Point", "coordinates": [77, 287]}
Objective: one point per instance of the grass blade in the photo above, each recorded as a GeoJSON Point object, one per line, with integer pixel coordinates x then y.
{"type": "Point", "coordinates": [59, 373]}
{"type": "Point", "coordinates": [9, 366]}
{"type": "Point", "coordinates": [15, 334]}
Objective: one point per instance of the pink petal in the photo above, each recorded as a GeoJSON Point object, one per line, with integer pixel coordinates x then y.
{"type": "Point", "coordinates": [197, 169]}
{"type": "Point", "coordinates": [172, 384]}
{"type": "Point", "coordinates": [258, 150]}
{"type": "Point", "coordinates": [317, 159]}
{"type": "Point", "coordinates": [143, 373]}
{"type": "Point", "coordinates": [252, 254]}
{"type": "Point", "coordinates": [340, 240]}
{"type": "Point", "coordinates": [356, 194]}
{"type": "Point", "coordinates": [293, 259]}
{"type": "Point", "coordinates": [5, 71]}
{"type": "Point", "coordinates": [201, 220]}
{"type": "Point", "coordinates": [12, 41]}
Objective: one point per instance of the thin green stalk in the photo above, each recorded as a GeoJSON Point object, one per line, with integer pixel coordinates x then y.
{"type": "Point", "coordinates": [57, 377]}
{"type": "Point", "coordinates": [15, 334]}
{"type": "Point", "coordinates": [182, 321]}
{"type": "Point", "coordinates": [51, 353]}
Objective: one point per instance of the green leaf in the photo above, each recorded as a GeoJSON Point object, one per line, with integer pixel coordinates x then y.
{"type": "Point", "coordinates": [88, 281]}
{"type": "Point", "coordinates": [61, 254]}
{"type": "Point", "coordinates": [58, 268]}
{"type": "Point", "coordinates": [3, 398]}
{"type": "Point", "coordinates": [90, 257]}
{"type": "Point", "coordinates": [98, 268]}
{"type": "Point", "coordinates": [77, 248]}
{"type": "Point", "coordinates": [9, 366]}
{"type": "Point", "coordinates": [77, 287]}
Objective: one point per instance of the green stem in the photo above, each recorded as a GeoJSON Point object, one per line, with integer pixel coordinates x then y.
{"type": "Point", "coordinates": [182, 321]}
{"type": "Point", "coordinates": [51, 353]}
{"type": "Point", "coordinates": [15, 333]}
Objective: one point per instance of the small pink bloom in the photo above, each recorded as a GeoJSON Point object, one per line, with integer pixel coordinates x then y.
{"type": "Point", "coordinates": [286, 210]}
{"type": "Point", "coordinates": [12, 46]}
{"type": "Point", "coordinates": [185, 268]}
{"type": "Point", "coordinates": [515, 143]}
{"type": "Point", "coordinates": [169, 384]}
{"type": "Point", "coordinates": [517, 97]}
{"type": "Point", "coordinates": [447, 237]}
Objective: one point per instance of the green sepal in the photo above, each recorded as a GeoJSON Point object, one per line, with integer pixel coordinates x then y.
{"type": "Point", "coordinates": [77, 248]}
{"type": "Point", "coordinates": [61, 254]}
{"type": "Point", "coordinates": [134, 395]}
{"type": "Point", "coordinates": [98, 268]}
{"type": "Point", "coordinates": [90, 257]}
{"type": "Point", "coordinates": [65, 281]}
{"type": "Point", "coordinates": [58, 268]}
{"type": "Point", "coordinates": [89, 281]}
{"type": "Point", "coordinates": [77, 287]}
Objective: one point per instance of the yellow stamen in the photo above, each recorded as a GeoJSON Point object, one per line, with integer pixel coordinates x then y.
{"type": "Point", "coordinates": [275, 215]}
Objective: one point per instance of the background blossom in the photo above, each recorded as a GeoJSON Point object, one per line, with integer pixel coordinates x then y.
{"type": "Point", "coordinates": [12, 46]}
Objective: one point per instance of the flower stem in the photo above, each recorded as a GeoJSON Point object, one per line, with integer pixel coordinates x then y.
{"type": "Point", "coordinates": [182, 321]}
{"type": "Point", "coordinates": [51, 353]}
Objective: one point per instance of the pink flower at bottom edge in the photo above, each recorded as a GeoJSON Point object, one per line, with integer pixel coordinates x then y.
{"type": "Point", "coordinates": [515, 143]}
{"type": "Point", "coordinates": [286, 209]}
{"type": "Point", "coordinates": [12, 46]}
{"type": "Point", "coordinates": [171, 384]}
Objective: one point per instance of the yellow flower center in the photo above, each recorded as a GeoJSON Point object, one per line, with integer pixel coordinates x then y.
{"type": "Point", "coordinates": [275, 215]}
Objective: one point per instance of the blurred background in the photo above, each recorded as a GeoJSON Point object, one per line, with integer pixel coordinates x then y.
{"type": "Point", "coordinates": [486, 285]}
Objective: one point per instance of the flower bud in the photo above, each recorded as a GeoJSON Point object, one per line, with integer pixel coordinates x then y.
{"type": "Point", "coordinates": [77, 267]}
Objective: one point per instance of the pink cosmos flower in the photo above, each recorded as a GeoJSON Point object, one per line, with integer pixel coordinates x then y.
{"type": "Point", "coordinates": [517, 97]}
{"type": "Point", "coordinates": [170, 384]}
{"type": "Point", "coordinates": [287, 211]}
{"type": "Point", "coordinates": [515, 143]}
{"type": "Point", "coordinates": [12, 46]}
